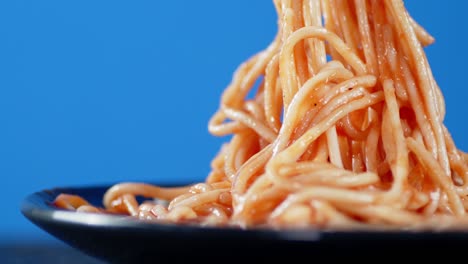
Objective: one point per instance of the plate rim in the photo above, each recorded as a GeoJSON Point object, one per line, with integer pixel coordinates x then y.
{"type": "Point", "coordinates": [35, 208]}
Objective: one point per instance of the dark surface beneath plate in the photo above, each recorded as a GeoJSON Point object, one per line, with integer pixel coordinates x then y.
{"type": "Point", "coordinates": [43, 252]}
{"type": "Point", "coordinates": [122, 240]}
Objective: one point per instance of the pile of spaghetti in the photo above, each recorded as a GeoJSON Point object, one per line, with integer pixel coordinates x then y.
{"type": "Point", "coordinates": [345, 130]}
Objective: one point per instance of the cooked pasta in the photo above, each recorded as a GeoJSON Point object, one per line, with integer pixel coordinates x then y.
{"type": "Point", "coordinates": [346, 129]}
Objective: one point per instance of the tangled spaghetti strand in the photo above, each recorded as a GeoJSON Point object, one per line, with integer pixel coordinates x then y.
{"type": "Point", "coordinates": [345, 130]}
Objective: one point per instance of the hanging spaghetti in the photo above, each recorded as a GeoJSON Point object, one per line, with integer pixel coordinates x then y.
{"type": "Point", "coordinates": [345, 130]}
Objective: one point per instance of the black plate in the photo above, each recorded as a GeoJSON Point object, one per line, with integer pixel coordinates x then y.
{"type": "Point", "coordinates": [121, 239]}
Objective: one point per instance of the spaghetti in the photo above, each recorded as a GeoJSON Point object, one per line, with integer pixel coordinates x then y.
{"type": "Point", "coordinates": [345, 130]}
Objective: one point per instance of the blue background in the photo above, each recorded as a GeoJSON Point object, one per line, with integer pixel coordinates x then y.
{"type": "Point", "coordinates": [98, 92]}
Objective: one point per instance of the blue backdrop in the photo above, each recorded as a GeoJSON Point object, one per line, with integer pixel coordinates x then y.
{"type": "Point", "coordinates": [105, 91]}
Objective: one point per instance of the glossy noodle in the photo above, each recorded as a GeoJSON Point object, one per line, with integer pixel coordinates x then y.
{"type": "Point", "coordinates": [345, 130]}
